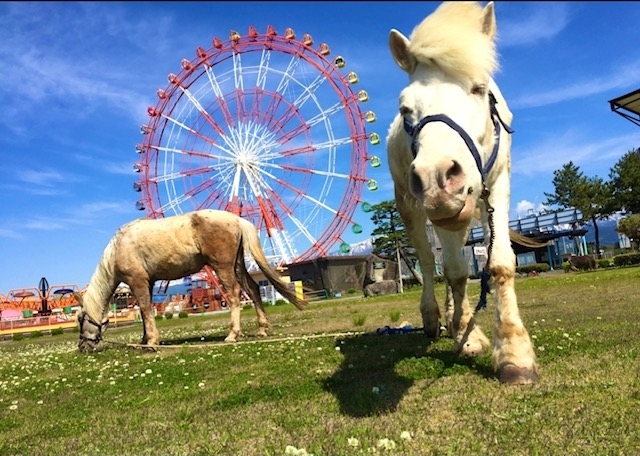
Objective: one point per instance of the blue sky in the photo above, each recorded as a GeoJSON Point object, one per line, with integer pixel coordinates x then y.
{"type": "Point", "coordinates": [77, 79]}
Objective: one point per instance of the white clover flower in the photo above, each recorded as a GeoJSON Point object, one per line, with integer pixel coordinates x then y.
{"type": "Point", "coordinates": [386, 444]}
{"type": "Point", "coordinates": [13, 407]}
{"type": "Point", "coordinates": [290, 449]}
{"type": "Point", "coordinates": [405, 435]}
{"type": "Point", "coordinates": [201, 385]}
{"type": "Point", "coordinates": [375, 390]}
{"type": "Point", "coordinates": [337, 348]}
{"type": "Point", "coordinates": [40, 402]}
{"type": "Point", "coordinates": [148, 371]}
{"type": "Point", "coordinates": [353, 442]}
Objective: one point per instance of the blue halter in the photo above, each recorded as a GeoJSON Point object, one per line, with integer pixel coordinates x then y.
{"type": "Point", "coordinates": [414, 131]}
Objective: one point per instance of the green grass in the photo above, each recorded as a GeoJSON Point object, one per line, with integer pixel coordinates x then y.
{"type": "Point", "coordinates": [317, 392]}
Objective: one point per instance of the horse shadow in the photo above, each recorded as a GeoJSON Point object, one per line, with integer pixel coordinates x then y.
{"type": "Point", "coordinates": [194, 340]}
{"type": "Point", "coordinates": [378, 370]}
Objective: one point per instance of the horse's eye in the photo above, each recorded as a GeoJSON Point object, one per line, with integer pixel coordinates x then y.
{"type": "Point", "coordinates": [479, 89]}
{"type": "Point", "coordinates": [404, 111]}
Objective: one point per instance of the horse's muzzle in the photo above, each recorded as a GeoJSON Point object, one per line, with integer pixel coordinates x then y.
{"type": "Point", "coordinates": [452, 218]}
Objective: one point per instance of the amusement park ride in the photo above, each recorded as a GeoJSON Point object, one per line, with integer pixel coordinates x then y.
{"type": "Point", "coordinates": [264, 125]}
{"type": "Point", "coordinates": [43, 300]}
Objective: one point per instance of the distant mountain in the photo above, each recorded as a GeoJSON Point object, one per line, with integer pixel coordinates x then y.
{"type": "Point", "coordinates": [607, 233]}
{"type": "Point", "coordinates": [360, 248]}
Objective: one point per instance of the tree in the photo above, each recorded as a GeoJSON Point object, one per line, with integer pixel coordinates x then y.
{"type": "Point", "coordinates": [591, 195]}
{"type": "Point", "coordinates": [625, 181]}
{"type": "Point", "coordinates": [630, 226]}
{"type": "Point", "coordinates": [390, 235]}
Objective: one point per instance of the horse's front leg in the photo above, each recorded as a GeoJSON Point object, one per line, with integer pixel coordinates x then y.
{"type": "Point", "coordinates": [469, 338]}
{"type": "Point", "coordinates": [415, 221]}
{"type": "Point", "coordinates": [513, 357]}
{"type": "Point", "coordinates": [142, 291]}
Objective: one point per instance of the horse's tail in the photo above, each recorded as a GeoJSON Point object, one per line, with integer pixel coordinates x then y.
{"type": "Point", "coordinates": [251, 244]}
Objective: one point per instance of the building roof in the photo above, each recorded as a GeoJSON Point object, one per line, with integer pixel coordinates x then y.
{"type": "Point", "coordinates": [628, 106]}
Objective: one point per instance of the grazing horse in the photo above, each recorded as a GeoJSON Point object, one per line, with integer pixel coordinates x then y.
{"type": "Point", "coordinates": [584, 262]}
{"type": "Point", "coordinates": [147, 250]}
{"type": "Point", "coordinates": [449, 156]}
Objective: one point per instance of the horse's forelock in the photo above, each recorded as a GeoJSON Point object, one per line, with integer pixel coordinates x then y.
{"type": "Point", "coordinates": [452, 38]}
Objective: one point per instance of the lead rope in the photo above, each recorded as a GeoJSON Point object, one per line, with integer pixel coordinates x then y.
{"type": "Point", "coordinates": [485, 275]}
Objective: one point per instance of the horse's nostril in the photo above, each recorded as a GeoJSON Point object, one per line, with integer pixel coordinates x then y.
{"type": "Point", "coordinates": [454, 170]}
{"type": "Point", "coordinates": [415, 183]}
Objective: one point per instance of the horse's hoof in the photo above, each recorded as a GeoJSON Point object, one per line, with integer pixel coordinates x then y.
{"type": "Point", "coordinates": [230, 338]}
{"type": "Point", "coordinates": [514, 375]}
{"type": "Point", "coordinates": [432, 332]}
{"type": "Point", "coordinates": [262, 333]}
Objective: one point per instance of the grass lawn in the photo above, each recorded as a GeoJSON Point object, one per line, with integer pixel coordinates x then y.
{"type": "Point", "coordinates": [324, 383]}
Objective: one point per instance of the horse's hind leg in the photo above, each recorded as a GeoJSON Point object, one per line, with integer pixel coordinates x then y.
{"type": "Point", "coordinates": [232, 289]}
{"type": "Point", "coordinates": [254, 293]}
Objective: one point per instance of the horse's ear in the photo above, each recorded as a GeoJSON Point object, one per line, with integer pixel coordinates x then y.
{"type": "Point", "coordinates": [78, 297]}
{"type": "Point", "coordinates": [489, 20]}
{"type": "Point", "coordinates": [399, 45]}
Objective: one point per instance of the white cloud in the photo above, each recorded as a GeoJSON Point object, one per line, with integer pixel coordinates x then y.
{"type": "Point", "coordinates": [618, 78]}
{"type": "Point", "coordinates": [545, 21]}
{"type": "Point", "coordinates": [37, 177]}
{"type": "Point", "coordinates": [525, 208]}
{"type": "Point", "coordinates": [551, 154]}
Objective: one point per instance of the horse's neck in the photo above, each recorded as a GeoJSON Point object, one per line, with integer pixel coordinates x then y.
{"type": "Point", "coordinates": [102, 285]}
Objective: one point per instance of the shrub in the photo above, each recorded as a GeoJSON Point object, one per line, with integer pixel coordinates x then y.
{"type": "Point", "coordinates": [183, 314]}
{"type": "Point", "coordinates": [395, 316]}
{"type": "Point", "coordinates": [626, 259]}
{"type": "Point", "coordinates": [57, 331]}
{"type": "Point", "coordinates": [17, 336]}
{"type": "Point", "coordinates": [168, 315]}
{"type": "Point", "coordinates": [351, 291]}
{"type": "Point", "coordinates": [34, 334]}
{"type": "Point", "coordinates": [280, 302]}
{"type": "Point", "coordinates": [537, 267]}
{"type": "Point", "coordinates": [158, 317]}
{"type": "Point", "coordinates": [604, 263]}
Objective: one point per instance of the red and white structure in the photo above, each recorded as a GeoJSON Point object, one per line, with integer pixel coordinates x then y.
{"type": "Point", "coordinates": [269, 127]}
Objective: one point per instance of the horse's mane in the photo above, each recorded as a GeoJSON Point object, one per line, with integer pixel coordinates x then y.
{"type": "Point", "coordinates": [452, 38]}
{"type": "Point", "coordinates": [103, 282]}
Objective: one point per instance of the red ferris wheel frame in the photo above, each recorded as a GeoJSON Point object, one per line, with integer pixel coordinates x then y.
{"type": "Point", "coordinates": [267, 208]}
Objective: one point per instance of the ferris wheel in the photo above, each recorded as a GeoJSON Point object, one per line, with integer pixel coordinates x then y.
{"type": "Point", "coordinates": [270, 128]}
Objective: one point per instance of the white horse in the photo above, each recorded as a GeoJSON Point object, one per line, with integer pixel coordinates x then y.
{"type": "Point", "coordinates": [449, 155]}
{"type": "Point", "coordinates": [147, 250]}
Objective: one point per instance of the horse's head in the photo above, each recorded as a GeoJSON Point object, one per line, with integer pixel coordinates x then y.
{"type": "Point", "coordinates": [91, 331]}
{"type": "Point", "coordinates": [447, 110]}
